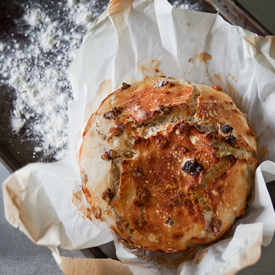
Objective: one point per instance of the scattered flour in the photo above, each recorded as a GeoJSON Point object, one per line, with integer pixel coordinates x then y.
{"type": "Point", "coordinates": [34, 17]}
{"type": "Point", "coordinates": [81, 14]}
{"type": "Point", "coordinates": [72, 2]}
{"type": "Point", "coordinates": [37, 71]}
{"type": "Point", "coordinates": [188, 5]}
{"type": "Point", "coordinates": [2, 47]}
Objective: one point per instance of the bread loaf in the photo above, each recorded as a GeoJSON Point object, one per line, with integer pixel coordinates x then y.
{"type": "Point", "coordinates": [167, 163]}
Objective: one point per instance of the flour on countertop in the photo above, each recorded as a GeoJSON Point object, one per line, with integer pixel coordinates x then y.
{"type": "Point", "coordinates": [187, 4]}
{"type": "Point", "coordinates": [37, 69]}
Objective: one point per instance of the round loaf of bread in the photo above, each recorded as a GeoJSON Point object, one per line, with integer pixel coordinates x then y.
{"type": "Point", "coordinates": [167, 163]}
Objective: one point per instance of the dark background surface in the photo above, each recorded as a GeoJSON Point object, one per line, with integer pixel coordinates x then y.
{"type": "Point", "coordinates": [263, 11]}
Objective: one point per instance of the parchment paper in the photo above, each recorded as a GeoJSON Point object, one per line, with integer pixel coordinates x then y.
{"type": "Point", "coordinates": [130, 40]}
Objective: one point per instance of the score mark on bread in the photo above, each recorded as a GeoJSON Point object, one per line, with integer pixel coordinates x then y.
{"type": "Point", "coordinates": [167, 163]}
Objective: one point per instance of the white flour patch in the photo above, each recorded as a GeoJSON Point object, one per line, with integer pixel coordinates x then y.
{"type": "Point", "coordinates": [185, 4]}
{"type": "Point", "coordinates": [37, 71]}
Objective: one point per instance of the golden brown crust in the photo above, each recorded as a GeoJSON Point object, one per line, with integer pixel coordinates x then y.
{"type": "Point", "coordinates": [167, 163]}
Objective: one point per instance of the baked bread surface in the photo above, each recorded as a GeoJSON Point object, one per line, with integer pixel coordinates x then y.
{"type": "Point", "coordinates": [168, 164]}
